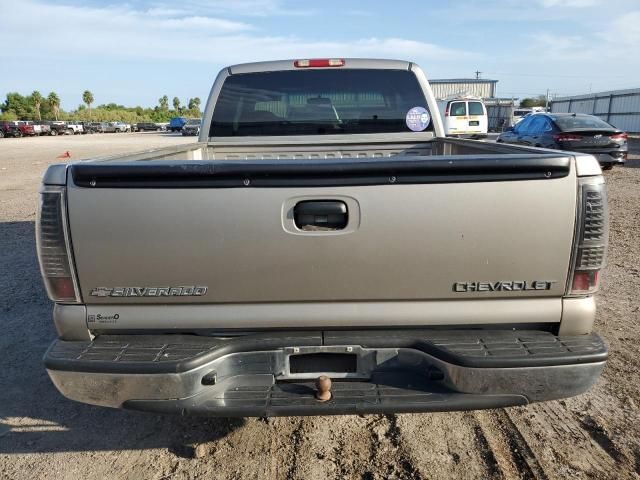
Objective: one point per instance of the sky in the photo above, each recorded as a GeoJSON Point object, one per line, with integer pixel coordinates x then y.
{"type": "Point", "coordinates": [134, 52]}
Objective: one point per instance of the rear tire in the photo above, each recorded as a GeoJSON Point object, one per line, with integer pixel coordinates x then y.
{"type": "Point", "coordinates": [69, 131]}
{"type": "Point", "coordinates": [607, 166]}
{"type": "Point", "coordinates": [53, 133]}
{"type": "Point", "coordinates": [1, 134]}
{"type": "Point", "coordinates": [18, 134]}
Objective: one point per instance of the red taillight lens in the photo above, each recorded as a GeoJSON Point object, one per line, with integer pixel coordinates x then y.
{"type": "Point", "coordinates": [54, 250]}
{"type": "Point", "coordinates": [319, 63]}
{"type": "Point", "coordinates": [567, 137]}
{"type": "Point", "coordinates": [585, 281]}
{"type": "Point", "coordinates": [590, 247]}
{"type": "Point", "coordinates": [619, 136]}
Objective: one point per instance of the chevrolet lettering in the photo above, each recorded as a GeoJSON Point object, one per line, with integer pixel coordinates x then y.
{"type": "Point", "coordinates": [503, 286]}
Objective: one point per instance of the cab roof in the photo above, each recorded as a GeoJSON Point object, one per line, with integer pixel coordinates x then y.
{"type": "Point", "coordinates": [279, 65]}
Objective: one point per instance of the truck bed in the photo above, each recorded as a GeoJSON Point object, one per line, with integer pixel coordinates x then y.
{"type": "Point", "coordinates": [329, 147]}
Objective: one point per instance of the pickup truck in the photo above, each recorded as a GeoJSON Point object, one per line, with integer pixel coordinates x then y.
{"type": "Point", "coordinates": [324, 249]}
{"type": "Point", "coordinates": [25, 129]}
{"type": "Point", "coordinates": [74, 128]}
{"type": "Point", "coordinates": [9, 128]}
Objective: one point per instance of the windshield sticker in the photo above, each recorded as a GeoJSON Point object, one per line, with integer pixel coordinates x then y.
{"type": "Point", "coordinates": [418, 119]}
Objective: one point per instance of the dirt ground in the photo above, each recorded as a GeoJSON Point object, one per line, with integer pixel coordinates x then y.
{"type": "Point", "coordinates": [43, 435]}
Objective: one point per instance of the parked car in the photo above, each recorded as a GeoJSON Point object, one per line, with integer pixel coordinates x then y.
{"type": "Point", "coordinates": [148, 127]}
{"type": "Point", "coordinates": [96, 127]}
{"type": "Point", "coordinates": [30, 128]}
{"type": "Point", "coordinates": [123, 127]}
{"type": "Point", "coordinates": [352, 241]}
{"type": "Point", "coordinates": [176, 124]}
{"type": "Point", "coordinates": [9, 129]}
{"type": "Point", "coordinates": [74, 128]}
{"type": "Point", "coordinates": [88, 127]}
{"type": "Point", "coordinates": [192, 127]}
{"type": "Point", "coordinates": [464, 117]}
{"type": "Point", "coordinates": [109, 127]}
{"type": "Point", "coordinates": [42, 128]}
{"type": "Point", "coordinates": [576, 132]}
{"type": "Point", "coordinates": [25, 128]}
{"type": "Point", "coordinates": [55, 128]}
{"type": "Point", "coordinates": [519, 114]}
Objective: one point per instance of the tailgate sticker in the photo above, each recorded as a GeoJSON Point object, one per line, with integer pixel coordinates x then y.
{"type": "Point", "coordinates": [418, 119]}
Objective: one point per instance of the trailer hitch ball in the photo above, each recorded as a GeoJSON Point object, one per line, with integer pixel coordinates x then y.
{"type": "Point", "coordinates": [323, 387]}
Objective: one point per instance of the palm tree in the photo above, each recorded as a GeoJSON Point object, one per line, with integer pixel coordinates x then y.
{"type": "Point", "coordinates": [87, 97]}
{"type": "Point", "coordinates": [176, 104]}
{"type": "Point", "coordinates": [54, 101]}
{"type": "Point", "coordinates": [164, 102]}
{"type": "Point", "coordinates": [194, 104]}
{"type": "Point", "coordinates": [37, 101]}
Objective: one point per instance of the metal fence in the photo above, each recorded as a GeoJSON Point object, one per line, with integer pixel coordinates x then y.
{"type": "Point", "coordinates": [620, 108]}
{"type": "Point", "coordinates": [480, 87]}
{"type": "Point", "coordinates": [499, 113]}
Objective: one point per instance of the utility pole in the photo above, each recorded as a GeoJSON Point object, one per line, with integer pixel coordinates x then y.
{"type": "Point", "coordinates": [546, 102]}
{"type": "Point", "coordinates": [478, 74]}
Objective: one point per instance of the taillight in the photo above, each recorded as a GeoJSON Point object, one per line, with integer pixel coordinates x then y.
{"type": "Point", "coordinates": [446, 111]}
{"type": "Point", "coordinates": [619, 136]}
{"type": "Point", "coordinates": [54, 249]}
{"type": "Point", "coordinates": [567, 137]}
{"type": "Point", "coordinates": [590, 246]}
{"type": "Point", "coordinates": [319, 62]}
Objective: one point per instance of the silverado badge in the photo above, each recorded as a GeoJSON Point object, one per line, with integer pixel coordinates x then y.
{"type": "Point", "coordinates": [182, 291]}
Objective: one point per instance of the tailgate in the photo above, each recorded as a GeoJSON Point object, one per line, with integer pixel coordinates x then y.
{"type": "Point", "coordinates": [223, 232]}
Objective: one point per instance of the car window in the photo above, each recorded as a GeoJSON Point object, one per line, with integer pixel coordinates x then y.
{"type": "Point", "coordinates": [570, 122]}
{"type": "Point", "coordinates": [475, 108]}
{"type": "Point", "coordinates": [523, 125]}
{"type": "Point", "coordinates": [458, 109]}
{"type": "Point", "coordinates": [537, 125]}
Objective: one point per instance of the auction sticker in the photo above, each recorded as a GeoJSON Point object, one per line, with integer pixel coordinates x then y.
{"type": "Point", "coordinates": [418, 119]}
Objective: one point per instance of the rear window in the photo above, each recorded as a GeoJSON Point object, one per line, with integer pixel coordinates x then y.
{"type": "Point", "coordinates": [570, 122]}
{"type": "Point", "coordinates": [521, 113]}
{"type": "Point", "coordinates": [458, 109]}
{"type": "Point", "coordinates": [316, 102]}
{"type": "Point", "coordinates": [475, 108]}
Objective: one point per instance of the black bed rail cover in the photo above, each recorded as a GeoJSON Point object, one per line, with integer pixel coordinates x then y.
{"type": "Point", "coordinates": [310, 173]}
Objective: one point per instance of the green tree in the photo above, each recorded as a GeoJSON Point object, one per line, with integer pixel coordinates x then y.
{"type": "Point", "coordinates": [87, 97]}
{"type": "Point", "coordinates": [194, 104]}
{"type": "Point", "coordinates": [539, 101]}
{"type": "Point", "coordinates": [18, 105]}
{"type": "Point", "coordinates": [176, 104]}
{"type": "Point", "coordinates": [36, 97]}
{"type": "Point", "coordinates": [164, 102]}
{"type": "Point", "coordinates": [54, 101]}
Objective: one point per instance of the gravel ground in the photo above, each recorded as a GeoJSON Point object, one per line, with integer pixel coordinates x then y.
{"type": "Point", "coordinates": [43, 435]}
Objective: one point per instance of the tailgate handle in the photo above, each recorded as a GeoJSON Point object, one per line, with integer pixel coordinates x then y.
{"type": "Point", "coordinates": [321, 215]}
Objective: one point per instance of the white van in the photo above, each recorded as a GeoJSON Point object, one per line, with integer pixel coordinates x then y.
{"type": "Point", "coordinates": [464, 117]}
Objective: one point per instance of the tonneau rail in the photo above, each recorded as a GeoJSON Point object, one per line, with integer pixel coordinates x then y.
{"type": "Point", "coordinates": [341, 172]}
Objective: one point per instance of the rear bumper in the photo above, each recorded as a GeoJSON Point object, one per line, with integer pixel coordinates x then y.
{"type": "Point", "coordinates": [375, 371]}
{"type": "Point", "coordinates": [617, 157]}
